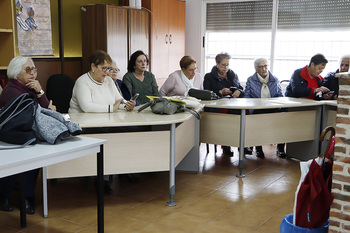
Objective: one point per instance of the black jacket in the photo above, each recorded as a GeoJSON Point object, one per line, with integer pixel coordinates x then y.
{"type": "Point", "coordinates": [213, 82]}
{"type": "Point", "coordinates": [331, 82]}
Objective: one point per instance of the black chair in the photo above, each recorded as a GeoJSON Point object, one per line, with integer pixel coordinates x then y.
{"type": "Point", "coordinates": [59, 89]}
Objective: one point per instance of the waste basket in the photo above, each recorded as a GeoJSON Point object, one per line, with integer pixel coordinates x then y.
{"type": "Point", "coordinates": [287, 226]}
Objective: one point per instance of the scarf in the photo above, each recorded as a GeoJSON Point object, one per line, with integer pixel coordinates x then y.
{"type": "Point", "coordinates": [265, 91]}
{"type": "Point", "coordinates": [188, 83]}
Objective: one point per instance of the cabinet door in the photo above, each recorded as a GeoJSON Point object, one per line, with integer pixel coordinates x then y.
{"type": "Point", "coordinates": [177, 15]}
{"type": "Point", "coordinates": [160, 38]}
{"type": "Point", "coordinates": [117, 37]}
{"type": "Point", "coordinates": [7, 45]}
{"type": "Point", "coordinates": [138, 31]}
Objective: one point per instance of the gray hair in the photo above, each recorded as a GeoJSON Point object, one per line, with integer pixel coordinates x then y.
{"type": "Point", "coordinates": [343, 57]}
{"type": "Point", "coordinates": [258, 60]}
{"type": "Point", "coordinates": [222, 56]}
{"type": "Point", "coordinates": [15, 66]}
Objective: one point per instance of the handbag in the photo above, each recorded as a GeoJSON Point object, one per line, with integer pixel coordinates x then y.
{"type": "Point", "coordinates": [16, 120]}
{"type": "Point", "coordinates": [168, 107]}
{"type": "Point", "coordinates": [202, 94]}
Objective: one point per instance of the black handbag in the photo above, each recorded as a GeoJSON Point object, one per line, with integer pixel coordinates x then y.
{"type": "Point", "coordinates": [202, 94]}
{"type": "Point", "coordinates": [16, 120]}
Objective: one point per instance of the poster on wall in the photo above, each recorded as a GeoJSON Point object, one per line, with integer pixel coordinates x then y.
{"type": "Point", "coordinates": [34, 27]}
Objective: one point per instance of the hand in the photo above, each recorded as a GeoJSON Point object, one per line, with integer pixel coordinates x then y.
{"type": "Point", "coordinates": [116, 105]}
{"type": "Point", "coordinates": [51, 106]}
{"type": "Point", "coordinates": [322, 89]}
{"type": "Point", "coordinates": [226, 91]}
{"type": "Point", "coordinates": [34, 85]}
{"type": "Point", "coordinates": [130, 105]}
{"type": "Point", "coordinates": [236, 94]}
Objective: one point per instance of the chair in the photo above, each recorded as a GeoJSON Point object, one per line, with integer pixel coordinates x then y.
{"type": "Point", "coordinates": [59, 89]}
{"type": "Point", "coordinates": [208, 148]}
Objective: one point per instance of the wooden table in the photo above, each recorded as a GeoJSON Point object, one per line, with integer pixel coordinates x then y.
{"type": "Point", "coordinates": [172, 141]}
{"type": "Point", "coordinates": [299, 125]}
{"type": "Point", "coordinates": [17, 161]}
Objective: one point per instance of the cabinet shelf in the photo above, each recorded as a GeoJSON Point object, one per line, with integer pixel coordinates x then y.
{"type": "Point", "coordinates": [6, 30]}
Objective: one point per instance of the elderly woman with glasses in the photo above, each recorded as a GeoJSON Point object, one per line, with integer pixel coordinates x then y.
{"type": "Point", "coordinates": [22, 75]}
{"type": "Point", "coordinates": [224, 82]}
{"type": "Point", "coordinates": [179, 82]}
{"type": "Point", "coordinates": [138, 79]}
{"type": "Point", "coordinates": [95, 91]}
{"type": "Point", "coordinates": [262, 84]}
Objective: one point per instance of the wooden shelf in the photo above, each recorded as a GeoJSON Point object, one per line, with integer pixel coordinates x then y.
{"type": "Point", "coordinates": [6, 30]}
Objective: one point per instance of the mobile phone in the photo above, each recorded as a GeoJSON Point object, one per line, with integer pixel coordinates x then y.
{"type": "Point", "coordinates": [135, 97]}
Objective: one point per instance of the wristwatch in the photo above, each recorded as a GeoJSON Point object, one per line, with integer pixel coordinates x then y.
{"type": "Point", "coordinates": [40, 93]}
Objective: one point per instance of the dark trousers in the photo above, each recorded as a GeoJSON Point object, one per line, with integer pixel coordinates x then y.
{"type": "Point", "coordinates": [7, 184]}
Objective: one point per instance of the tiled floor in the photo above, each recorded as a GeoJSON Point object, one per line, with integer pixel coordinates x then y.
{"type": "Point", "coordinates": [214, 200]}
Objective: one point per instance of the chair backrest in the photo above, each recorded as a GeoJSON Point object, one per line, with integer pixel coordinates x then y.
{"type": "Point", "coordinates": [59, 89]}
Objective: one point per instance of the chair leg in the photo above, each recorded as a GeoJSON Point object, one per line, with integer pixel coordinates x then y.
{"type": "Point", "coordinates": [215, 148]}
{"type": "Point", "coordinates": [207, 148]}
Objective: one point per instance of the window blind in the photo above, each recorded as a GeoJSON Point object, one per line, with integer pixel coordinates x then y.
{"type": "Point", "coordinates": [309, 14]}
{"type": "Point", "coordinates": [292, 14]}
{"type": "Point", "coordinates": [246, 16]}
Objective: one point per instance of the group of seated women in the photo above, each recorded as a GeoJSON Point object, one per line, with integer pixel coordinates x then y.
{"type": "Point", "coordinates": [99, 90]}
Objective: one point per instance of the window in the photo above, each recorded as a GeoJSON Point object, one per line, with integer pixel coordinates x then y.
{"type": "Point", "coordinates": [304, 28]}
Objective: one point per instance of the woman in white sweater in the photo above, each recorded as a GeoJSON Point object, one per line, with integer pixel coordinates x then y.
{"type": "Point", "coordinates": [179, 82]}
{"type": "Point", "coordinates": [95, 91]}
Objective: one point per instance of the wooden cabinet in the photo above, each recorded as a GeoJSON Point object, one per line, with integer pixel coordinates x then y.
{"type": "Point", "coordinates": [7, 35]}
{"type": "Point", "coordinates": [168, 36]}
{"type": "Point", "coordinates": [119, 31]}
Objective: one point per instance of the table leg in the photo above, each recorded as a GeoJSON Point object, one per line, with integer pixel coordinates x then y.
{"type": "Point", "coordinates": [45, 205]}
{"type": "Point", "coordinates": [241, 144]}
{"type": "Point", "coordinates": [100, 197]}
{"type": "Point", "coordinates": [172, 167]}
{"type": "Point", "coordinates": [22, 205]}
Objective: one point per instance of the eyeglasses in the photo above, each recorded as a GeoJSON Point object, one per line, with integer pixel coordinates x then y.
{"type": "Point", "coordinates": [106, 68]}
{"type": "Point", "coordinates": [262, 67]}
{"type": "Point", "coordinates": [225, 65]}
{"type": "Point", "coordinates": [114, 70]}
{"type": "Point", "coordinates": [30, 69]}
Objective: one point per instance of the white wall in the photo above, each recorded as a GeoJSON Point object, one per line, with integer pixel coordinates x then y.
{"type": "Point", "coordinates": [195, 32]}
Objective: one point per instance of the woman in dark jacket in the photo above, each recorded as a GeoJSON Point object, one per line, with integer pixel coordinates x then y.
{"type": "Point", "coordinates": [224, 82]}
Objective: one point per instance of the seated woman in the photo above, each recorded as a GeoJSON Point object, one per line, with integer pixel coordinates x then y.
{"type": "Point", "coordinates": [138, 80]}
{"type": "Point", "coordinates": [179, 82]}
{"type": "Point", "coordinates": [22, 75]}
{"type": "Point", "coordinates": [224, 82]}
{"type": "Point", "coordinates": [306, 81]}
{"type": "Point", "coordinates": [95, 91]}
{"type": "Point", "coordinates": [262, 84]}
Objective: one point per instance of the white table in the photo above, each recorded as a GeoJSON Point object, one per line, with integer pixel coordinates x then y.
{"type": "Point", "coordinates": [172, 142]}
{"type": "Point", "coordinates": [17, 161]}
{"type": "Point", "coordinates": [299, 126]}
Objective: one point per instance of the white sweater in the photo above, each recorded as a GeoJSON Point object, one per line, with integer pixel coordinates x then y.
{"type": "Point", "coordinates": [91, 96]}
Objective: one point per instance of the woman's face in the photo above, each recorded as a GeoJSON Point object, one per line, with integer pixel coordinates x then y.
{"type": "Point", "coordinates": [316, 70]}
{"type": "Point", "coordinates": [113, 72]}
{"type": "Point", "coordinates": [223, 66]}
{"type": "Point", "coordinates": [28, 73]}
{"type": "Point", "coordinates": [100, 71]}
{"type": "Point", "coordinates": [190, 71]}
{"type": "Point", "coordinates": [141, 63]}
{"type": "Point", "coordinates": [262, 69]}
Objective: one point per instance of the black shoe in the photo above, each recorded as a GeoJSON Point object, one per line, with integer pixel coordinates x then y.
{"type": "Point", "coordinates": [260, 154]}
{"type": "Point", "coordinates": [107, 189]}
{"type": "Point", "coordinates": [248, 150]}
{"type": "Point", "coordinates": [30, 206]}
{"type": "Point", "coordinates": [281, 154]}
{"type": "Point", "coordinates": [5, 204]}
{"type": "Point", "coordinates": [227, 151]}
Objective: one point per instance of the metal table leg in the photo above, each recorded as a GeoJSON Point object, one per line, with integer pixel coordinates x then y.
{"type": "Point", "coordinates": [172, 167]}
{"type": "Point", "coordinates": [100, 197]}
{"type": "Point", "coordinates": [241, 144]}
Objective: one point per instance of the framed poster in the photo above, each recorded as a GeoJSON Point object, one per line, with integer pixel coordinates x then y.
{"type": "Point", "coordinates": [34, 27]}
